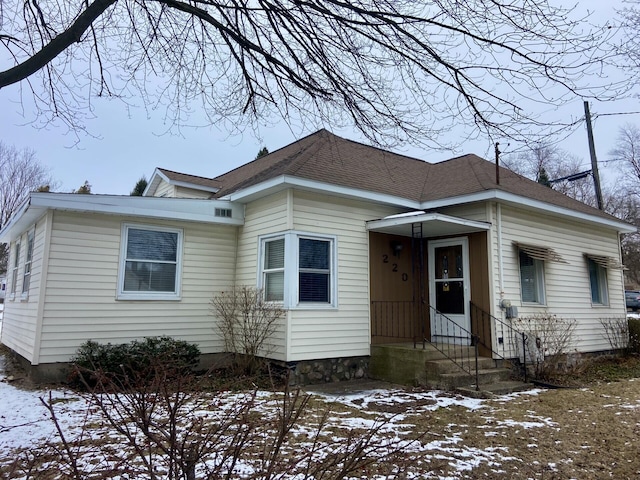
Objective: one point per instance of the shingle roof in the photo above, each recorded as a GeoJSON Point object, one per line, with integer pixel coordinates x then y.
{"type": "Point", "coordinates": [325, 157]}
{"type": "Point", "coordinates": [193, 179]}
{"type": "Point", "coordinates": [328, 158]}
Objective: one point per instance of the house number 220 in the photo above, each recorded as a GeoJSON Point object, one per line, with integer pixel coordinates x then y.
{"type": "Point", "coordinates": [394, 267]}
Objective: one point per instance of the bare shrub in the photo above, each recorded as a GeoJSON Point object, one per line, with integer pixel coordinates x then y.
{"type": "Point", "coordinates": [182, 431]}
{"type": "Point", "coordinates": [634, 335]}
{"type": "Point", "coordinates": [247, 324]}
{"type": "Point", "coordinates": [549, 341]}
{"type": "Point", "coordinates": [616, 332]}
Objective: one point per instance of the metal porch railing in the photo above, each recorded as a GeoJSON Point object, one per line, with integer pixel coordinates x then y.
{"type": "Point", "coordinates": [455, 342]}
{"type": "Point", "coordinates": [403, 320]}
{"type": "Point", "coordinates": [507, 340]}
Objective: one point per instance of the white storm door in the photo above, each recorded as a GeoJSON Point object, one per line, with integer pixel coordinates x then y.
{"type": "Point", "coordinates": [449, 290]}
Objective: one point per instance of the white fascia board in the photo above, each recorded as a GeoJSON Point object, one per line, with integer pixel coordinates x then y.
{"type": "Point", "coordinates": [528, 203]}
{"type": "Point", "coordinates": [421, 217]}
{"type": "Point", "coordinates": [287, 181]}
{"type": "Point", "coordinates": [20, 217]}
{"type": "Point", "coordinates": [154, 181]}
{"type": "Point", "coordinates": [184, 209]}
{"type": "Point", "coordinates": [196, 210]}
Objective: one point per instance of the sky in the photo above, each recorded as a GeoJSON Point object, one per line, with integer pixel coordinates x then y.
{"type": "Point", "coordinates": [125, 145]}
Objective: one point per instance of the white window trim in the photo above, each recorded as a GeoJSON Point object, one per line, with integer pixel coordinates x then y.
{"type": "Point", "coordinates": [291, 264]}
{"type": "Point", "coordinates": [28, 261]}
{"type": "Point", "coordinates": [15, 270]}
{"type": "Point", "coordinates": [262, 272]}
{"type": "Point", "coordinates": [602, 283]}
{"type": "Point", "coordinates": [540, 283]}
{"type": "Point", "coordinates": [121, 294]}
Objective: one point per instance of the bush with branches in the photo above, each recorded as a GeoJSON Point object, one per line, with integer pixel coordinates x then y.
{"type": "Point", "coordinates": [183, 430]}
{"type": "Point", "coordinates": [135, 361]}
{"type": "Point", "coordinates": [247, 324]}
{"type": "Point", "coordinates": [634, 335]}
{"type": "Point", "coordinates": [616, 331]}
{"type": "Point", "coordinates": [549, 341]}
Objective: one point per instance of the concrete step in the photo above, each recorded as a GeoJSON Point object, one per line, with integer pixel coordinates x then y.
{"type": "Point", "coordinates": [494, 389]}
{"type": "Point", "coordinates": [407, 350]}
{"type": "Point", "coordinates": [448, 381]}
{"type": "Point", "coordinates": [445, 365]}
{"type": "Point", "coordinates": [401, 363]}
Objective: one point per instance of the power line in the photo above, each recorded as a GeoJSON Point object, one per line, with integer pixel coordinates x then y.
{"type": "Point", "coordinates": [616, 113]}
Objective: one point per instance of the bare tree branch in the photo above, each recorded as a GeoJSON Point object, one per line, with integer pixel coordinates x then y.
{"type": "Point", "coordinates": [396, 70]}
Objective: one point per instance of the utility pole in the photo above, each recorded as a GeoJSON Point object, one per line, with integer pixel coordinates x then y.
{"type": "Point", "coordinates": [498, 152]}
{"type": "Point", "coordinates": [594, 161]}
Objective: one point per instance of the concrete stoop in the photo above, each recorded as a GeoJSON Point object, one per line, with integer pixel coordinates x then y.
{"type": "Point", "coordinates": [495, 389]}
{"type": "Point", "coordinates": [428, 367]}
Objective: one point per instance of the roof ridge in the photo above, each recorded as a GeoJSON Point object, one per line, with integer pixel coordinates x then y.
{"type": "Point", "coordinates": [185, 174]}
{"type": "Point", "coordinates": [270, 153]}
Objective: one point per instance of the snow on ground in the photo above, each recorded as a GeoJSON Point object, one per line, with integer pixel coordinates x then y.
{"type": "Point", "coordinates": [25, 422]}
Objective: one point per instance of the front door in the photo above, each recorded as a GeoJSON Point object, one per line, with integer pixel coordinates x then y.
{"type": "Point", "coordinates": [449, 290]}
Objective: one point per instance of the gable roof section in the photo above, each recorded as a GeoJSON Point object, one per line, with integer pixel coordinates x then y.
{"type": "Point", "coordinates": [330, 160]}
{"type": "Point", "coordinates": [180, 180]}
{"type": "Point", "coordinates": [327, 158]}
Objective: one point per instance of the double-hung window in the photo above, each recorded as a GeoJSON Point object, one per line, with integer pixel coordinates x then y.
{"type": "Point", "coordinates": [597, 282]}
{"type": "Point", "coordinates": [150, 263]}
{"type": "Point", "coordinates": [314, 270]}
{"type": "Point", "coordinates": [298, 270]}
{"type": "Point", "coordinates": [273, 270]}
{"type": "Point", "coordinates": [531, 279]}
{"type": "Point", "coordinates": [14, 270]}
{"type": "Point", "coordinates": [26, 276]}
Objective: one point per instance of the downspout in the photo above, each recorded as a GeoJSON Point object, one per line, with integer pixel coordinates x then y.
{"type": "Point", "coordinates": [287, 317]}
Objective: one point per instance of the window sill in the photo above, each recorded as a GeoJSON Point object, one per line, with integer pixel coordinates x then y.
{"type": "Point", "coordinates": [314, 306]}
{"type": "Point", "coordinates": [531, 304]}
{"type": "Point", "coordinates": [147, 297]}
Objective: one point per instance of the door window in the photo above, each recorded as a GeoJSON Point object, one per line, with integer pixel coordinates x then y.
{"type": "Point", "coordinates": [449, 279]}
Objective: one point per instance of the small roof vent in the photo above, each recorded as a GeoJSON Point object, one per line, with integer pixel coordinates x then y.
{"type": "Point", "coordinates": [223, 212]}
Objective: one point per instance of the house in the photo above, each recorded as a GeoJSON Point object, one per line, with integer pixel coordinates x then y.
{"type": "Point", "coordinates": [361, 246]}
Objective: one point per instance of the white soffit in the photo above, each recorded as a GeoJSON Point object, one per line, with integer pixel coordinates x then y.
{"type": "Point", "coordinates": [433, 224]}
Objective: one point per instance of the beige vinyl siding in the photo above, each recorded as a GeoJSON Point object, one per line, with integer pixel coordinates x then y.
{"type": "Point", "coordinates": [477, 212]}
{"type": "Point", "coordinates": [262, 217]}
{"type": "Point", "coordinates": [567, 286]}
{"type": "Point", "coordinates": [184, 192]}
{"type": "Point", "coordinates": [345, 331]}
{"type": "Point", "coordinates": [165, 189]}
{"type": "Point", "coordinates": [20, 322]}
{"type": "Point", "coordinates": [80, 302]}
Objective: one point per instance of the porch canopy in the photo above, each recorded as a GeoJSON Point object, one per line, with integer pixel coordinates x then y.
{"type": "Point", "coordinates": [433, 224]}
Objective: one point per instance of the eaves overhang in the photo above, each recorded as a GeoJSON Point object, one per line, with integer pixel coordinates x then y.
{"type": "Point", "coordinates": [530, 204]}
{"type": "Point", "coordinates": [180, 209]}
{"type": "Point", "coordinates": [284, 182]}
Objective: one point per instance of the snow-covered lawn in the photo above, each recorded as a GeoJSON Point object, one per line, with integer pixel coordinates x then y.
{"type": "Point", "coordinates": [535, 434]}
